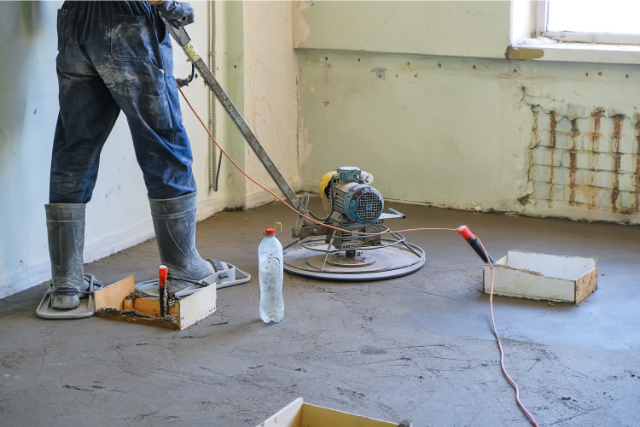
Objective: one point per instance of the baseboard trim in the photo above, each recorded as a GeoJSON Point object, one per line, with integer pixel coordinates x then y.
{"type": "Point", "coordinates": [41, 272]}
{"type": "Point", "coordinates": [259, 198]}
{"type": "Point", "coordinates": [25, 279]}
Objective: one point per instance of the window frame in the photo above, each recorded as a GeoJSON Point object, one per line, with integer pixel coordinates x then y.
{"type": "Point", "coordinates": [541, 20]}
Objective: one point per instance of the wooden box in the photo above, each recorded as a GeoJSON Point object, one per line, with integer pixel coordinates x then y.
{"type": "Point", "coordinates": [116, 302]}
{"type": "Point", "coordinates": [300, 414]}
{"type": "Point", "coordinates": [542, 277]}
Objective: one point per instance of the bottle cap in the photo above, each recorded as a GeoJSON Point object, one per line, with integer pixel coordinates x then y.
{"type": "Point", "coordinates": [270, 231]}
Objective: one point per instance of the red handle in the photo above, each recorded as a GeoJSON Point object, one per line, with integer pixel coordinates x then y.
{"type": "Point", "coordinates": [163, 272]}
{"type": "Point", "coordinates": [466, 233]}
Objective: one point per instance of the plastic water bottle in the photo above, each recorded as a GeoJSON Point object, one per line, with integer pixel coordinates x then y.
{"type": "Point", "coordinates": [271, 274]}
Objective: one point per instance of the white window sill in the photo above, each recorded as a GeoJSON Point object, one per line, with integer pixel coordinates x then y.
{"type": "Point", "coordinates": [549, 50]}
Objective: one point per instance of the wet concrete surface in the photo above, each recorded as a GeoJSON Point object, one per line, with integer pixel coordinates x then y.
{"type": "Point", "coordinates": [418, 347]}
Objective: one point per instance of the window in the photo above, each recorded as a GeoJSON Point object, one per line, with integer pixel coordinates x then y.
{"type": "Point", "coordinates": [602, 31]}
{"type": "Point", "coordinates": [590, 21]}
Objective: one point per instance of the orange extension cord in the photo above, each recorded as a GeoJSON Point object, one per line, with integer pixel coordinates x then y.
{"type": "Point", "coordinates": [493, 322]}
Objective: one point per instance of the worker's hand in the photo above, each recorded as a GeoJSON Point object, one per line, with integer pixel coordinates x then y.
{"type": "Point", "coordinates": [178, 14]}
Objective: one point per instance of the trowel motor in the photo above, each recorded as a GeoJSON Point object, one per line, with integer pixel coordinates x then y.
{"type": "Point", "coordinates": [355, 205]}
{"type": "Point", "coordinates": [353, 197]}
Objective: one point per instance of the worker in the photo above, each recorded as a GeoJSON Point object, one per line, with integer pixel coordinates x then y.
{"type": "Point", "coordinates": [113, 56]}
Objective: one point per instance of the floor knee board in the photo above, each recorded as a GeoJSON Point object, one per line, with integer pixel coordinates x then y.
{"type": "Point", "coordinates": [85, 309]}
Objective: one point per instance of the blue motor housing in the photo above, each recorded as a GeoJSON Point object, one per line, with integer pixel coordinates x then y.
{"type": "Point", "coordinates": [361, 203]}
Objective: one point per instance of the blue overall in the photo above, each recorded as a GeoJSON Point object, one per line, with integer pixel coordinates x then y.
{"type": "Point", "coordinates": [116, 55]}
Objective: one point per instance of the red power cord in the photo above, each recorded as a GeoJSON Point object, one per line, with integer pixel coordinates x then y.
{"type": "Point", "coordinates": [495, 333]}
{"type": "Point", "coordinates": [493, 322]}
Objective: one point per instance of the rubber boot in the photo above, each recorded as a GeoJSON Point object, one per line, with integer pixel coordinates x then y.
{"type": "Point", "coordinates": [65, 228]}
{"type": "Point", "coordinates": [174, 221]}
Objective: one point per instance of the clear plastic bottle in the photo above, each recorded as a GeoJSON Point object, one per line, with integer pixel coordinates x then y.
{"type": "Point", "coordinates": [271, 275]}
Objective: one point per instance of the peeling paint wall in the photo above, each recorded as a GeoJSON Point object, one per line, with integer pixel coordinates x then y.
{"type": "Point", "coordinates": [585, 158]}
{"type": "Point", "coordinates": [442, 126]}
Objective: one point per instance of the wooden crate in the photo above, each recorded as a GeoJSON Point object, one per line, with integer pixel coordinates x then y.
{"type": "Point", "coordinates": [115, 302]}
{"type": "Point", "coordinates": [300, 414]}
{"type": "Point", "coordinates": [542, 277]}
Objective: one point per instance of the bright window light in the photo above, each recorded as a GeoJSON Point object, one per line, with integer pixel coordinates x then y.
{"type": "Point", "coordinates": [594, 16]}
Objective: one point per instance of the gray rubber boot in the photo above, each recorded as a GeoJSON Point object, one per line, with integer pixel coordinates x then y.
{"type": "Point", "coordinates": [174, 221]}
{"type": "Point", "coordinates": [65, 228]}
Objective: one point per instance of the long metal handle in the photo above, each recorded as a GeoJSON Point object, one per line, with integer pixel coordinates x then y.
{"type": "Point", "coordinates": [182, 38]}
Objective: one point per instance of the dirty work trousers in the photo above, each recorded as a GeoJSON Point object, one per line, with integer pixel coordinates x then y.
{"type": "Point", "coordinates": [116, 55]}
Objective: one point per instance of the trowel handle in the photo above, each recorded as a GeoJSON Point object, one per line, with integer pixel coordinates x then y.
{"type": "Point", "coordinates": [163, 272]}
{"type": "Point", "coordinates": [474, 243]}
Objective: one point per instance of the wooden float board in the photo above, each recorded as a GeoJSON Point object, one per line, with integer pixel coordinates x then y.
{"type": "Point", "coordinates": [188, 310]}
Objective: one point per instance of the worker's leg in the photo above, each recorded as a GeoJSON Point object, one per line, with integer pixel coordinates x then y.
{"type": "Point", "coordinates": [87, 115]}
{"type": "Point", "coordinates": [139, 74]}
{"type": "Point", "coordinates": [174, 221]}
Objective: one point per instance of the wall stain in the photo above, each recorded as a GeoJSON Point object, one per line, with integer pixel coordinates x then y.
{"type": "Point", "coordinates": [553, 124]}
{"type": "Point", "coordinates": [636, 181]}
{"type": "Point", "coordinates": [594, 136]}
{"type": "Point", "coordinates": [594, 148]}
{"type": "Point", "coordinates": [575, 131]}
{"type": "Point", "coordinates": [572, 176]}
{"type": "Point", "coordinates": [636, 186]}
{"type": "Point", "coordinates": [573, 162]}
{"type": "Point", "coordinates": [615, 185]}
{"type": "Point", "coordinates": [564, 171]}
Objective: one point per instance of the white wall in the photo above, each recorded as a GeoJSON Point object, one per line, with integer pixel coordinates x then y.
{"type": "Point", "coordinates": [420, 95]}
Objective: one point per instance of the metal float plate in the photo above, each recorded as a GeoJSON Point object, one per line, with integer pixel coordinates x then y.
{"type": "Point", "coordinates": [392, 261]}
{"type": "Point", "coordinates": [340, 260]}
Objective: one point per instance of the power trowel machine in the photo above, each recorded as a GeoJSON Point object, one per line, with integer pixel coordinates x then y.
{"type": "Point", "coordinates": [341, 246]}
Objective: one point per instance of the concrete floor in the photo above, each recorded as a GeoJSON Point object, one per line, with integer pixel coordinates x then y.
{"type": "Point", "coordinates": [417, 347]}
